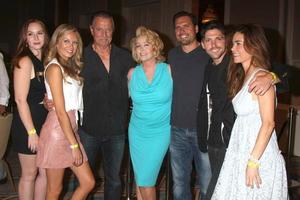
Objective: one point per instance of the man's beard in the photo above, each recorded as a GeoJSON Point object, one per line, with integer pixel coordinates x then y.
{"type": "Point", "coordinates": [186, 41]}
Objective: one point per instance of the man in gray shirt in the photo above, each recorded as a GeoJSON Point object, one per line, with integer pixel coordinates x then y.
{"type": "Point", "coordinates": [188, 62]}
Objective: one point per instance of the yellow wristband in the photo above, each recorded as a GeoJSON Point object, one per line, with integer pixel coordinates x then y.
{"type": "Point", "coordinates": [74, 146]}
{"type": "Point", "coordinates": [31, 132]}
{"type": "Point", "coordinates": [252, 164]}
{"type": "Point", "coordinates": [274, 78]}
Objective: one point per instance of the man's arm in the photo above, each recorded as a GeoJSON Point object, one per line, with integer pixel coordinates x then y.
{"type": "Point", "coordinates": [4, 86]}
{"type": "Point", "coordinates": [282, 71]}
{"type": "Point", "coordinates": [261, 83]}
{"type": "Point", "coordinates": [203, 115]}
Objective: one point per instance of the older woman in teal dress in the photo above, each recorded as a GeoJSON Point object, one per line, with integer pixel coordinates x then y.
{"type": "Point", "coordinates": [150, 88]}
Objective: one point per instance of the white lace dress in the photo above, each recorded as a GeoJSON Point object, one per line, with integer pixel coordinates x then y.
{"type": "Point", "coordinates": [231, 184]}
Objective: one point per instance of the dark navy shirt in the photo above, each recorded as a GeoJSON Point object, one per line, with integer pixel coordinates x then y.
{"type": "Point", "coordinates": [187, 72]}
{"type": "Point", "coordinates": [105, 95]}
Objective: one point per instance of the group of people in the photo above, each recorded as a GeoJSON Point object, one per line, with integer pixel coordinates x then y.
{"type": "Point", "coordinates": [198, 105]}
{"type": "Point", "coordinates": [236, 116]}
{"type": "Point", "coordinates": [52, 135]}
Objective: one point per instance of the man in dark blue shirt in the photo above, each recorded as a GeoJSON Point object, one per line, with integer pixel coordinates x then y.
{"type": "Point", "coordinates": [188, 62]}
{"type": "Point", "coordinates": [105, 98]}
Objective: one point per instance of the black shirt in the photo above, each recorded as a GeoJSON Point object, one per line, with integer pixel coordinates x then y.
{"type": "Point", "coordinates": [222, 116]}
{"type": "Point", "coordinates": [105, 95]}
{"type": "Point", "coordinates": [187, 73]}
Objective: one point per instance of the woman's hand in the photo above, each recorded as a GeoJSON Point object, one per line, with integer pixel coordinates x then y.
{"type": "Point", "coordinates": [252, 177]}
{"type": "Point", "coordinates": [48, 103]}
{"type": "Point", "coordinates": [33, 141]}
{"type": "Point", "coordinates": [77, 156]}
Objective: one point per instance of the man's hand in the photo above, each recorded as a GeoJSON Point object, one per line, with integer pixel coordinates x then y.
{"type": "Point", "coordinates": [2, 110]}
{"type": "Point", "coordinates": [261, 83]}
{"type": "Point", "coordinates": [48, 104]}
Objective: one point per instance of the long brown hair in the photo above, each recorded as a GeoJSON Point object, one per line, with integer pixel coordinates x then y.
{"type": "Point", "coordinates": [256, 44]}
{"type": "Point", "coordinates": [23, 48]}
{"type": "Point", "coordinates": [73, 65]}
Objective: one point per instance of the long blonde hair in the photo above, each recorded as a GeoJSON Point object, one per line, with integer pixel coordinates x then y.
{"type": "Point", "coordinates": [73, 65]}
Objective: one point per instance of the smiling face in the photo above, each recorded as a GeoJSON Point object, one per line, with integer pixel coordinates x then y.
{"type": "Point", "coordinates": [144, 50]}
{"type": "Point", "coordinates": [102, 31]}
{"type": "Point", "coordinates": [185, 30]}
{"type": "Point", "coordinates": [67, 45]}
{"type": "Point", "coordinates": [35, 36]}
{"type": "Point", "coordinates": [239, 53]}
{"type": "Point", "coordinates": [214, 44]}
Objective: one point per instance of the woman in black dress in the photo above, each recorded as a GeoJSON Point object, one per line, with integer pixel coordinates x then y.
{"type": "Point", "coordinates": [30, 114]}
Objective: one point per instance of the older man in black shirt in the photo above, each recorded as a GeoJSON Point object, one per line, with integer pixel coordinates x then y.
{"type": "Point", "coordinates": [105, 97]}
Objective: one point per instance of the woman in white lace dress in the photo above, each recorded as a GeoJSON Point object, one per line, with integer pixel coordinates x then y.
{"type": "Point", "coordinates": [253, 167]}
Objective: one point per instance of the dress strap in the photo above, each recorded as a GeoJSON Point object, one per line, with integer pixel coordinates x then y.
{"type": "Point", "coordinates": [254, 72]}
{"type": "Point", "coordinates": [54, 61]}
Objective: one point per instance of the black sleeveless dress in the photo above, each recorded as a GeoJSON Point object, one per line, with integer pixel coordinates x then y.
{"type": "Point", "coordinates": [38, 112]}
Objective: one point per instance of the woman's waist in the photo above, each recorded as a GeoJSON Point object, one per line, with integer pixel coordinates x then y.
{"type": "Point", "coordinates": [52, 117]}
{"type": "Point", "coordinates": [149, 112]}
{"type": "Point", "coordinates": [71, 113]}
{"type": "Point", "coordinates": [151, 118]}
{"type": "Point", "coordinates": [150, 122]}
{"type": "Point", "coordinates": [76, 106]}
{"type": "Point", "coordinates": [243, 114]}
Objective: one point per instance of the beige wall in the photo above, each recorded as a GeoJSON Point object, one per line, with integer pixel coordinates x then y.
{"type": "Point", "coordinates": [156, 15]}
{"type": "Point", "coordinates": [268, 13]}
{"type": "Point", "coordinates": [293, 46]}
{"type": "Point", "coordinates": [281, 19]}
{"type": "Point", "coordinates": [281, 16]}
{"type": "Point", "coordinates": [293, 33]}
{"type": "Point", "coordinates": [79, 11]}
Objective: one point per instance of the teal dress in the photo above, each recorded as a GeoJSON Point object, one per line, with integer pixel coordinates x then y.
{"type": "Point", "coordinates": [149, 127]}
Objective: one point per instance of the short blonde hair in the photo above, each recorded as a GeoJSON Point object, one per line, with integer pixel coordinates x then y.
{"type": "Point", "coordinates": [153, 39]}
